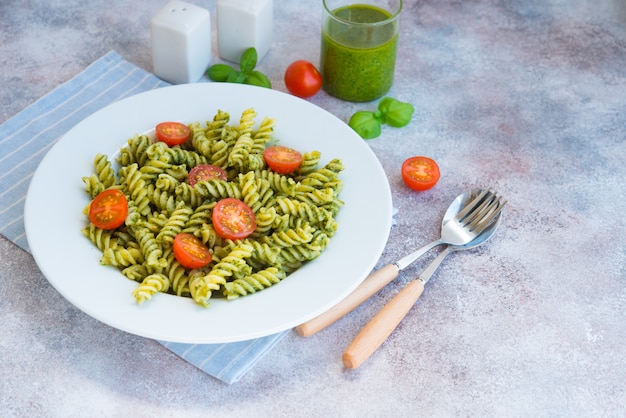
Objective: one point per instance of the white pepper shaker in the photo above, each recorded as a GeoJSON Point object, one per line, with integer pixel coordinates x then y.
{"type": "Point", "coordinates": [242, 24]}
{"type": "Point", "coordinates": [181, 42]}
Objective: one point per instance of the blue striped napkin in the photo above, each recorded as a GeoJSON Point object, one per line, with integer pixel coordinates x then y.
{"type": "Point", "coordinates": [26, 138]}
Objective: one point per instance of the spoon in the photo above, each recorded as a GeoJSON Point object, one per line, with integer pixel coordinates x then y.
{"type": "Point", "coordinates": [460, 225]}
{"type": "Point", "coordinates": [388, 318]}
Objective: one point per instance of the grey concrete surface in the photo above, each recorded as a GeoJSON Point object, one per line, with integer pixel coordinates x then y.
{"type": "Point", "coordinates": [527, 97]}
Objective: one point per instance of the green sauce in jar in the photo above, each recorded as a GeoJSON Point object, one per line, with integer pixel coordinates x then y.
{"type": "Point", "coordinates": [358, 54]}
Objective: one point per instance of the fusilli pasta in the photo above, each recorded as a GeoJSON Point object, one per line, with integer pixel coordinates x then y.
{"type": "Point", "coordinates": [295, 214]}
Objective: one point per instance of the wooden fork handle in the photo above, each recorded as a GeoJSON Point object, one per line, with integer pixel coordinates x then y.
{"type": "Point", "coordinates": [382, 325]}
{"type": "Point", "coordinates": [372, 284]}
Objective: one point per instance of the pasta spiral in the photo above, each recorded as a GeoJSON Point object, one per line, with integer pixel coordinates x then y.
{"type": "Point", "coordinates": [174, 224]}
{"type": "Point", "coordinates": [254, 282]}
{"type": "Point", "coordinates": [207, 189]}
{"type": "Point", "coordinates": [105, 172]}
{"type": "Point", "coordinates": [150, 286]}
{"type": "Point", "coordinates": [121, 257]}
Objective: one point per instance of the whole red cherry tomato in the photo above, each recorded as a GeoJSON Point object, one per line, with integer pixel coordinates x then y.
{"type": "Point", "coordinates": [303, 79]}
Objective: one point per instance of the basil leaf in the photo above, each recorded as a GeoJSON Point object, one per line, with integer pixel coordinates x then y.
{"type": "Point", "coordinates": [219, 72]}
{"type": "Point", "coordinates": [246, 73]}
{"type": "Point", "coordinates": [248, 60]}
{"type": "Point", "coordinates": [236, 77]}
{"type": "Point", "coordinates": [394, 112]}
{"type": "Point", "coordinates": [257, 78]}
{"type": "Point", "coordinates": [366, 124]}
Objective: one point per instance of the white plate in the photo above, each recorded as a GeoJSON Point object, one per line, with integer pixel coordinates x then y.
{"type": "Point", "coordinates": [56, 197]}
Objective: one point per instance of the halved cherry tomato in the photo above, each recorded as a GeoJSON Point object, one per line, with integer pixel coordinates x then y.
{"type": "Point", "coordinates": [190, 252]}
{"type": "Point", "coordinates": [302, 79]}
{"type": "Point", "coordinates": [233, 219]}
{"type": "Point", "coordinates": [172, 133]}
{"type": "Point", "coordinates": [206, 172]}
{"type": "Point", "coordinates": [283, 160]}
{"type": "Point", "coordinates": [108, 210]}
{"type": "Point", "coordinates": [420, 173]}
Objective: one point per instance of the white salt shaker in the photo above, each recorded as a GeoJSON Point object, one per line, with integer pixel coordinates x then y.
{"type": "Point", "coordinates": [242, 24]}
{"type": "Point", "coordinates": [181, 42]}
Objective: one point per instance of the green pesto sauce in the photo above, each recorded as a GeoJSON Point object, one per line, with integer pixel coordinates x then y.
{"type": "Point", "coordinates": [358, 65]}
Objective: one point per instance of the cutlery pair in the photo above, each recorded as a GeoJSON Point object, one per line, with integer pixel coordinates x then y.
{"type": "Point", "coordinates": [469, 221]}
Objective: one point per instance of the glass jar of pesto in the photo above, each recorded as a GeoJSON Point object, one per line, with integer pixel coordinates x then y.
{"type": "Point", "coordinates": [359, 42]}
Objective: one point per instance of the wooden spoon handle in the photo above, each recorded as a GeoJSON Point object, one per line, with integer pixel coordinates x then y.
{"type": "Point", "coordinates": [372, 284]}
{"type": "Point", "coordinates": [382, 325]}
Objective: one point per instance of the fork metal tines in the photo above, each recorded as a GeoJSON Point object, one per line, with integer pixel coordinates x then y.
{"type": "Point", "coordinates": [469, 208]}
{"type": "Point", "coordinates": [484, 215]}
